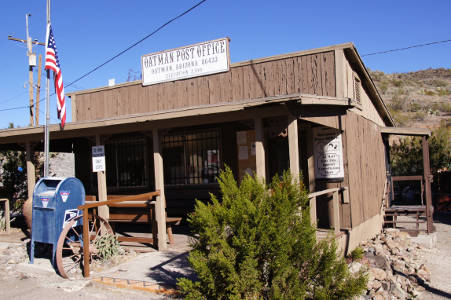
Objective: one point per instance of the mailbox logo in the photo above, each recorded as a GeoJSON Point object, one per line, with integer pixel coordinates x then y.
{"type": "Point", "coordinates": [45, 201]}
{"type": "Point", "coordinates": [64, 196]}
{"type": "Point", "coordinates": [69, 214]}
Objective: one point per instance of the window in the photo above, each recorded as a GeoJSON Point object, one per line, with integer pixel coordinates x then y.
{"type": "Point", "coordinates": [357, 87]}
{"type": "Point", "coordinates": [191, 157]}
{"type": "Point", "coordinates": [126, 161]}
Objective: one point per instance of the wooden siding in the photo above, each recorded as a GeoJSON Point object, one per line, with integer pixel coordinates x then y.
{"type": "Point", "coordinates": [309, 74]}
{"type": "Point", "coordinates": [366, 167]}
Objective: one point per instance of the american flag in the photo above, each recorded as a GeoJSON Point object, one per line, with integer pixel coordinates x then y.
{"type": "Point", "coordinates": [52, 63]}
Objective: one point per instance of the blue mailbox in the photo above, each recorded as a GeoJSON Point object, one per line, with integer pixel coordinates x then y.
{"type": "Point", "coordinates": [55, 201]}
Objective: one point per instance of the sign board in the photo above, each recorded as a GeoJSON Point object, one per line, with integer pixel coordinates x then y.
{"type": "Point", "coordinates": [98, 158]}
{"type": "Point", "coordinates": [186, 62]}
{"type": "Point", "coordinates": [328, 153]}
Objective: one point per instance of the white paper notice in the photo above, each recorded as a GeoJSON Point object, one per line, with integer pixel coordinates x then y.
{"type": "Point", "coordinates": [243, 153]}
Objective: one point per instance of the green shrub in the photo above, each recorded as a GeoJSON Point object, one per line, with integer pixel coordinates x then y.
{"type": "Point", "coordinates": [406, 155]}
{"type": "Point", "coordinates": [428, 92]}
{"type": "Point", "coordinates": [443, 92]}
{"type": "Point", "coordinates": [107, 246]}
{"type": "Point", "coordinates": [357, 253]}
{"type": "Point", "coordinates": [258, 243]}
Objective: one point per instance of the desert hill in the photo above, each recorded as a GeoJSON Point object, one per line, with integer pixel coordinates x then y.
{"type": "Point", "coordinates": [417, 99]}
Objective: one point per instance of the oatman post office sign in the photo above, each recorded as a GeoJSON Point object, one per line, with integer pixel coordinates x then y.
{"type": "Point", "coordinates": [328, 154]}
{"type": "Point", "coordinates": [186, 62]}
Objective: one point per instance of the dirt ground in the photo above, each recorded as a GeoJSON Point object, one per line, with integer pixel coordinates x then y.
{"type": "Point", "coordinates": [19, 281]}
{"type": "Point", "coordinates": [438, 260]}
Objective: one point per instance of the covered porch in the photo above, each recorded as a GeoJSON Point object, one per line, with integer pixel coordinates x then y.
{"type": "Point", "coordinates": [417, 204]}
{"type": "Point", "coordinates": [146, 152]}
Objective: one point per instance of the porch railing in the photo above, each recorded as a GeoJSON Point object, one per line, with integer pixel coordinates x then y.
{"type": "Point", "coordinates": [335, 205]}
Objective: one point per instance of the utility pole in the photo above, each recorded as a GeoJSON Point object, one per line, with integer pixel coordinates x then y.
{"type": "Point", "coordinates": [31, 63]}
{"type": "Point", "coordinates": [38, 90]}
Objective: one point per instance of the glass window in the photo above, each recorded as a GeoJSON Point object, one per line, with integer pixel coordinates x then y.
{"type": "Point", "coordinates": [191, 157]}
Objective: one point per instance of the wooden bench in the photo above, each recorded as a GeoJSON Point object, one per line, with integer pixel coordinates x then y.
{"type": "Point", "coordinates": [137, 209]}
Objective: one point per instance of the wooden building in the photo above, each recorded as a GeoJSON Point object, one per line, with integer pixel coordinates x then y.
{"type": "Point", "coordinates": [260, 116]}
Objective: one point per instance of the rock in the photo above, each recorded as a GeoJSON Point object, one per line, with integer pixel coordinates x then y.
{"type": "Point", "coordinates": [397, 291]}
{"type": "Point", "coordinates": [378, 274]}
{"type": "Point", "coordinates": [424, 274]}
{"type": "Point", "coordinates": [382, 262]}
{"type": "Point", "coordinates": [355, 267]}
{"type": "Point", "coordinates": [378, 297]}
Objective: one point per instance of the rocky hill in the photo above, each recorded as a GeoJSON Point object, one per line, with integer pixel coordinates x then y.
{"type": "Point", "coordinates": [417, 99]}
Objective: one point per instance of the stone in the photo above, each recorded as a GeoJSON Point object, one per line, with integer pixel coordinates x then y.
{"type": "Point", "coordinates": [355, 267]}
{"type": "Point", "coordinates": [397, 291]}
{"type": "Point", "coordinates": [378, 274]}
{"type": "Point", "coordinates": [382, 262]}
{"type": "Point", "coordinates": [424, 274]}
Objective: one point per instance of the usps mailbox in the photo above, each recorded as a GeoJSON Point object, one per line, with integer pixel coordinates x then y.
{"type": "Point", "coordinates": [55, 201]}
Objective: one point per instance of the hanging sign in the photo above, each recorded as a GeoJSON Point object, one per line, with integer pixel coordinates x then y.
{"type": "Point", "coordinates": [186, 62]}
{"type": "Point", "coordinates": [328, 153]}
{"type": "Point", "coordinates": [98, 158]}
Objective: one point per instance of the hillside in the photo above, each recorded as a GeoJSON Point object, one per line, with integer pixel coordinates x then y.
{"type": "Point", "coordinates": [417, 99]}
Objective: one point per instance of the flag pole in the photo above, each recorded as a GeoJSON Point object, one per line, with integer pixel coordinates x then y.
{"type": "Point", "coordinates": [47, 103]}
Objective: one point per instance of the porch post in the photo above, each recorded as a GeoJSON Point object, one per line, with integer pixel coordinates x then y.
{"type": "Point", "coordinates": [31, 171]}
{"type": "Point", "coordinates": [293, 147]}
{"type": "Point", "coordinates": [427, 183]}
{"type": "Point", "coordinates": [160, 206]}
{"type": "Point", "coordinates": [103, 210]}
{"type": "Point", "coordinates": [260, 149]}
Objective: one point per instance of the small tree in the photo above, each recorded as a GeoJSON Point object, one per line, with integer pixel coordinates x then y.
{"type": "Point", "coordinates": [406, 155]}
{"type": "Point", "coordinates": [258, 243]}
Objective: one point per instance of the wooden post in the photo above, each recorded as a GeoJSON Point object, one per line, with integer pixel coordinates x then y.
{"type": "Point", "coordinates": [293, 146]}
{"type": "Point", "coordinates": [160, 205]}
{"type": "Point", "coordinates": [86, 256]}
{"type": "Point", "coordinates": [260, 149]}
{"type": "Point", "coordinates": [427, 184]}
{"type": "Point", "coordinates": [336, 212]}
{"type": "Point", "coordinates": [312, 205]}
{"type": "Point", "coordinates": [310, 160]}
{"type": "Point", "coordinates": [104, 211]}
{"type": "Point", "coordinates": [31, 172]}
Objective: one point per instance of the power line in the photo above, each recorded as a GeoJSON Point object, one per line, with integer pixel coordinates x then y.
{"type": "Point", "coordinates": [406, 48]}
{"type": "Point", "coordinates": [138, 42]}
{"type": "Point", "coordinates": [119, 54]}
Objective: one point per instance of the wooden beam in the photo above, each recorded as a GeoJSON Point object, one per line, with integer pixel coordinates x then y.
{"type": "Point", "coordinates": [160, 206]}
{"type": "Point", "coordinates": [104, 211]}
{"type": "Point", "coordinates": [406, 131]}
{"type": "Point", "coordinates": [340, 76]}
{"type": "Point", "coordinates": [293, 146]}
{"type": "Point", "coordinates": [31, 171]}
{"type": "Point", "coordinates": [427, 182]}
{"type": "Point", "coordinates": [260, 149]}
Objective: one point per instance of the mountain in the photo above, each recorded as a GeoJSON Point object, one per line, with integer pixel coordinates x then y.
{"type": "Point", "coordinates": [417, 99]}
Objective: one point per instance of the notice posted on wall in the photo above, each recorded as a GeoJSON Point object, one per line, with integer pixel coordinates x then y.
{"type": "Point", "coordinates": [328, 154]}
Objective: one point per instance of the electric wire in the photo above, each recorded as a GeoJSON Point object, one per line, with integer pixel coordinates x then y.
{"type": "Point", "coordinates": [406, 48]}
{"type": "Point", "coordinates": [118, 54]}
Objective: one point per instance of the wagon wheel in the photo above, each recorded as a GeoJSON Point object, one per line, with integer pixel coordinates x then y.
{"type": "Point", "coordinates": [69, 250]}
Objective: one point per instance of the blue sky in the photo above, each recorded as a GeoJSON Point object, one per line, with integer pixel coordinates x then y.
{"type": "Point", "coordinates": [87, 33]}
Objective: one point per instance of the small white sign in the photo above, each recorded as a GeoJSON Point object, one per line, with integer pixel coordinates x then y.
{"type": "Point", "coordinates": [98, 158]}
{"type": "Point", "coordinates": [328, 153]}
{"type": "Point", "coordinates": [186, 62]}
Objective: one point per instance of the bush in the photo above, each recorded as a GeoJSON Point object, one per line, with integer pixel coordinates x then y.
{"type": "Point", "coordinates": [107, 246]}
{"type": "Point", "coordinates": [258, 243]}
{"type": "Point", "coordinates": [406, 155]}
